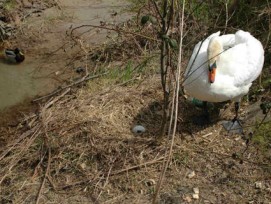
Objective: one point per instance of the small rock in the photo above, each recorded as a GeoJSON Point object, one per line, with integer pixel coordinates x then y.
{"type": "Point", "coordinates": [196, 190]}
{"type": "Point", "coordinates": [139, 129]}
{"type": "Point", "coordinates": [195, 196]}
{"type": "Point", "coordinates": [237, 138]}
{"type": "Point", "coordinates": [258, 185]}
{"type": "Point", "coordinates": [191, 174]}
{"type": "Point", "coordinates": [83, 166]}
{"type": "Point", "coordinates": [187, 199]}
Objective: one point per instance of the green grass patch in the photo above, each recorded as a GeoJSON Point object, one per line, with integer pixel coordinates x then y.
{"type": "Point", "coordinates": [123, 74]}
{"type": "Point", "coordinates": [9, 5]}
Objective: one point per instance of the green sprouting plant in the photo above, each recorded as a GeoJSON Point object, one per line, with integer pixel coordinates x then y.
{"type": "Point", "coordinates": [127, 72]}
{"type": "Point", "coordinates": [9, 5]}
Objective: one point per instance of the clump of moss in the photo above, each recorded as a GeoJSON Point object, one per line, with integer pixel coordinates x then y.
{"type": "Point", "coordinates": [262, 137]}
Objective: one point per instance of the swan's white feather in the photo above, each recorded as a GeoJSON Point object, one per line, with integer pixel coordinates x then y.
{"type": "Point", "coordinates": [237, 67]}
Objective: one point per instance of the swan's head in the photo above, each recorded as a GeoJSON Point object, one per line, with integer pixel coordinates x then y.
{"type": "Point", "coordinates": [215, 48]}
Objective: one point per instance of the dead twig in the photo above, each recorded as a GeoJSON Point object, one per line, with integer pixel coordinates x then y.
{"type": "Point", "coordinates": [44, 122]}
{"type": "Point", "coordinates": [115, 172]}
{"type": "Point", "coordinates": [138, 166]}
{"type": "Point", "coordinates": [106, 182]}
{"type": "Point", "coordinates": [18, 141]}
{"type": "Point", "coordinates": [174, 111]}
{"type": "Point", "coordinates": [49, 104]}
{"type": "Point", "coordinates": [83, 79]}
{"type": "Point", "coordinates": [45, 175]}
{"type": "Point", "coordinates": [86, 56]}
{"type": "Point", "coordinates": [23, 148]}
{"type": "Point", "coordinates": [118, 30]}
{"type": "Point", "coordinates": [227, 16]}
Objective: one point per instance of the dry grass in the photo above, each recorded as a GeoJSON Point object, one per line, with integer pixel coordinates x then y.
{"type": "Point", "coordinates": [81, 145]}
{"type": "Point", "coordinates": [89, 138]}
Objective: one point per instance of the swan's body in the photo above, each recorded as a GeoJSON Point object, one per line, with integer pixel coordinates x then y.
{"type": "Point", "coordinates": [239, 60]}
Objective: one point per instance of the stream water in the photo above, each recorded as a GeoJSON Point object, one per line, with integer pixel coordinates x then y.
{"type": "Point", "coordinates": [19, 82]}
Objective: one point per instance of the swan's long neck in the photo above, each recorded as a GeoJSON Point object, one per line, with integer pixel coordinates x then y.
{"type": "Point", "coordinates": [215, 48]}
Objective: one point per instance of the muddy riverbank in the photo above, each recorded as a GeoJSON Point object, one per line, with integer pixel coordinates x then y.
{"type": "Point", "coordinates": [50, 52]}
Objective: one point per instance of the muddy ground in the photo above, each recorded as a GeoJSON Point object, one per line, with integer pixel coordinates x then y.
{"type": "Point", "coordinates": [77, 146]}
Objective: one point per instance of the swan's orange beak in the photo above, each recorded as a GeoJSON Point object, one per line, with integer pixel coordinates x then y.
{"type": "Point", "coordinates": [212, 72]}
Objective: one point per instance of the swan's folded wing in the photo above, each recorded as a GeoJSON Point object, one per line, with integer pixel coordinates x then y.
{"type": "Point", "coordinates": [227, 41]}
{"type": "Point", "coordinates": [255, 60]}
{"type": "Point", "coordinates": [254, 57]}
{"type": "Point", "coordinates": [244, 62]}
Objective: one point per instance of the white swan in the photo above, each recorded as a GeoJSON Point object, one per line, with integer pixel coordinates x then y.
{"type": "Point", "coordinates": [223, 67]}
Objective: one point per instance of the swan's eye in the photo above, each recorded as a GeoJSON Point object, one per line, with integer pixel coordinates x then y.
{"type": "Point", "coordinates": [212, 72]}
{"type": "Point", "coordinates": [212, 66]}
